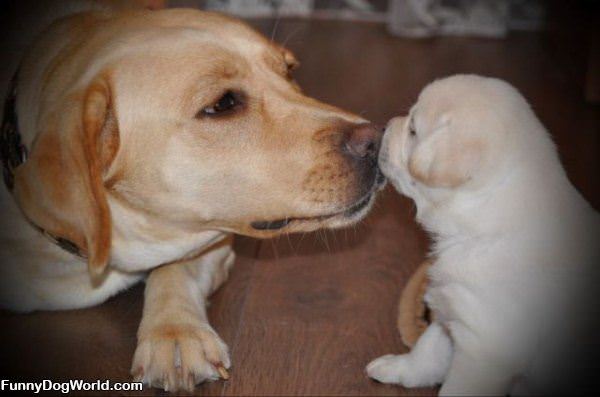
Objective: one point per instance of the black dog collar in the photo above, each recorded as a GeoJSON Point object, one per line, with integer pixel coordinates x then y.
{"type": "Point", "coordinates": [14, 153]}
{"type": "Point", "coordinates": [12, 150]}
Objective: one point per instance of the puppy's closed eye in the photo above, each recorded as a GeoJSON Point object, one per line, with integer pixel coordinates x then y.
{"type": "Point", "coordinates": [411, 128]}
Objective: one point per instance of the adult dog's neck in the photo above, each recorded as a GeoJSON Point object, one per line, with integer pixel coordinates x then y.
{"type": "Point", "coordinates": [141, 242]}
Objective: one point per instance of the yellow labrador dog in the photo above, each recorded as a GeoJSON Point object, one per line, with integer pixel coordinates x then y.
{"type": "Point", "coordinates": [138, 142]}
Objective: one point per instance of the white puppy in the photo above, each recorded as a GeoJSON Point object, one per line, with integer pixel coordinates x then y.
{"type": "Point", "coordinates": [515, 245]}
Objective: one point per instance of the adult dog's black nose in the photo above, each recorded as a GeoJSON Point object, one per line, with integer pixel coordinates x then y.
{"type": "Point", "coordinates": [363, 141]}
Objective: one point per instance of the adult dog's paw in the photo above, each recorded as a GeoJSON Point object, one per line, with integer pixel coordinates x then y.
{"type": "Point", "coordinates": [174, 357]}
{"type": "Point", "coordinates": [393, 369]}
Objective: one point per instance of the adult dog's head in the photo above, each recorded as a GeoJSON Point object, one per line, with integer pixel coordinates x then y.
{"type": "Point", "coordinates": [189, 121]}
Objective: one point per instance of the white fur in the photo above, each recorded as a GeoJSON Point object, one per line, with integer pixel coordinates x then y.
{"type": "Point", "coordinates": [514, 246]}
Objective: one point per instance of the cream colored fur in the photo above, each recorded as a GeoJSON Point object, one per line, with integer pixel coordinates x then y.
{"type": "Point", "coordinates": [515, 246]}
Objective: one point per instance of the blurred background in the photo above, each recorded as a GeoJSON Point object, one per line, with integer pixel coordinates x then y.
{"type": "Point", "coordinates": [373, 56]}
{"type": "Point", "coordinates": [304, 314]}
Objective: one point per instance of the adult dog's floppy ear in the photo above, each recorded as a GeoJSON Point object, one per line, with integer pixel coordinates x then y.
{"type": "Point", "coordinates": [290, 59]}
{"type": "Point", "coordinates": [60, 187]}
{"type": "Point", "coordinates": [445, 158]}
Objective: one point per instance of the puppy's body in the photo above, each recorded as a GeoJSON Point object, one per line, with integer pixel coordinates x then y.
{"type": "Point", "coordinates": [152, 137]}
{"type": "Point", "coordinates": [514, 244]}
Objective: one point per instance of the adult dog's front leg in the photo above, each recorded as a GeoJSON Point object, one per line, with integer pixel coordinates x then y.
{"type": "Point", "coordinates": [177, 348]}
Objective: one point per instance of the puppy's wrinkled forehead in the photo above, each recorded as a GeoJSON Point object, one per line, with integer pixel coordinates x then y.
{"type": "Point", "coordinates": [438, 100]}
{"type": "Point", "coordinates": [428, 113]}
{"type": "Point", "coordinates": [470, 99]}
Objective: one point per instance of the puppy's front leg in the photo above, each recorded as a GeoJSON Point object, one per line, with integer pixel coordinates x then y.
{"type": "Point", "coordinates": [426, 364]}
{"type": "Point", "coordinates": [177, 348]}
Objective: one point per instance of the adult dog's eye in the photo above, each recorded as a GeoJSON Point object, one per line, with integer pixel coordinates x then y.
{"type": "Point", "coordinates": [226, 103]}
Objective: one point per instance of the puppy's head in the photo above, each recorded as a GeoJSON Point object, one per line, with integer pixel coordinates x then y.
{"type": "Point", "coordinates": [191, 121]}
{"type": "Point", "coordinates": [461, 134]}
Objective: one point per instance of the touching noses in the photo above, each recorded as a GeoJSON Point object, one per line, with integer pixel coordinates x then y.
{"type": "Point", "coordinates": [363, 141]}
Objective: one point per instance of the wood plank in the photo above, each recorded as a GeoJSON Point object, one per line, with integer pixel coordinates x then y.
{"type": "Point", "coordinates": [319, 308]}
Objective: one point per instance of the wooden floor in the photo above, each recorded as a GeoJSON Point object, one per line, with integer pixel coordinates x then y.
{"type": "Point", "coordinates": [303, 315]}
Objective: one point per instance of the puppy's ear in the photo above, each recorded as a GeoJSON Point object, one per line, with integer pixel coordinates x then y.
{"type": "Point", "coordinates": [445, 159]}
{"type": "Point", "coordinates": [60, 187]}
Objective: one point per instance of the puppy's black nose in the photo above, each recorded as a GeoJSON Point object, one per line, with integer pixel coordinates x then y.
{"type": "Point", "coordinates": [363, 141]}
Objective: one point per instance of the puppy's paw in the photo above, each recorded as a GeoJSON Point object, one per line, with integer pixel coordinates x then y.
{"type": "Point", "coordinates": [175, 357]}
{"type": "Point", "coordinates": [393, 369]}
